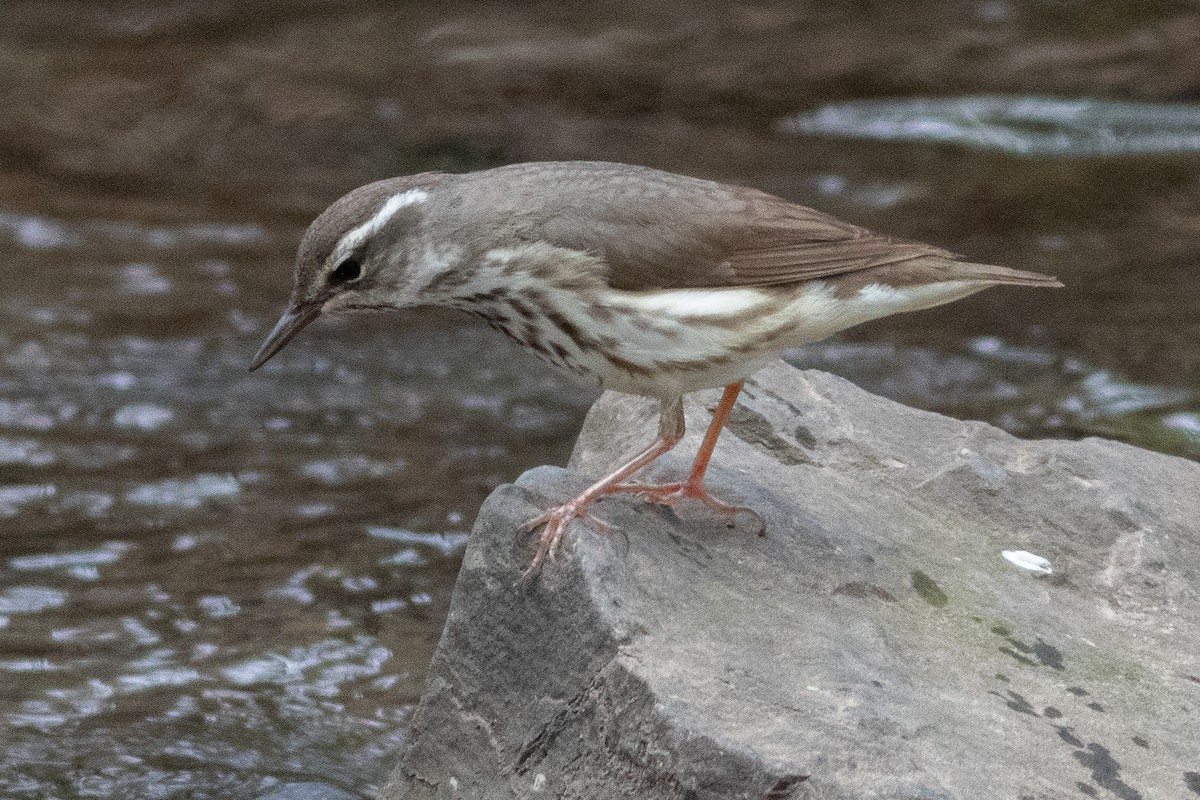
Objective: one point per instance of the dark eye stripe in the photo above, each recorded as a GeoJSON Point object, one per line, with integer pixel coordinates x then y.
{"type": "Point", "coordinates": [349, 270]}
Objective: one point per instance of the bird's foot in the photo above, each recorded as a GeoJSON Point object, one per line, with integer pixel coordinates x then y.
{"type": "Point", "coordinates": [672, 494]}
{"type": "Point", "coordinates": [556, 521]}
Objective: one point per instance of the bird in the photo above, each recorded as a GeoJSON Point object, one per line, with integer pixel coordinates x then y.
{"type": "Point", "coordinates": [630, 278]}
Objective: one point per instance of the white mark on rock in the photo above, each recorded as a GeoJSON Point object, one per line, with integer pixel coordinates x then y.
{"type": "Point", "coordinates": [539, 782]}
{"type": "Point", "coordinates": [1027, 560]}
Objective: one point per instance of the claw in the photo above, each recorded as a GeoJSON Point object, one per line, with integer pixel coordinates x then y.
{"type": "Point", "coordinates": [556, 521]}
{"type": "Point", "coordinates": [531, 525]}
{"type": "Point", "coordinates": [670, 431]}
{"type": "Point", "coordinates": [672, 494]}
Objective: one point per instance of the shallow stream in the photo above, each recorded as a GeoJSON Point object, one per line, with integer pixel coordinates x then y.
{"type": "Point", "coordinates": [213, 582]}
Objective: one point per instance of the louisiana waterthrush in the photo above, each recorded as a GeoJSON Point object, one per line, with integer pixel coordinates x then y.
{"type": "Point", "coordinates": [635, 279]}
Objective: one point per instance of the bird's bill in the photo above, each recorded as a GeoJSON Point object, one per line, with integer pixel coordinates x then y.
{"type": "Point", "coordinates": [291, 323]}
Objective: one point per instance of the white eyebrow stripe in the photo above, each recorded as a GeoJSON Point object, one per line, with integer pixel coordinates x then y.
{"type": "Point", "coordinates": [357, 236]}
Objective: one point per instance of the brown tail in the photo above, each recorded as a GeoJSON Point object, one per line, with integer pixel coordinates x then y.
{"type": "Point", "coordinates": [992, 274]}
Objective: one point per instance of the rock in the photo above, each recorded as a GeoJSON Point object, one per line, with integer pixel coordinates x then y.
{"type": "Point", "coordinates": [876, 643]}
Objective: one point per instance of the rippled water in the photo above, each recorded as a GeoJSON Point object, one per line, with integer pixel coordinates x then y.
{"type": "Point", "coordinates": [211, 582]}
{"type": "Point", "coordinates": [1028, 391]}
{"type": "Point", "coordinates": [1024, 126]}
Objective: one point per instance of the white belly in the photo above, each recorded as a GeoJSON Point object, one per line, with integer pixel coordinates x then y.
{"type": "Point", "coordinates": [672, 342]}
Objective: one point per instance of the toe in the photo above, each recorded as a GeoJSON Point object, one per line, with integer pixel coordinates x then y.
{"type": "Point", "coordinates": [539, 520]}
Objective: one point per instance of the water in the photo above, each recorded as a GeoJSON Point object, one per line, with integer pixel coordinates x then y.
{"type": "Point", "coordinates": [1028, 391]}
{"type": "Point", "coordinates": [221, 580]}
{"type": "Point", "coordinates": [213, 582]}
{"type": "Point", "coordinates": [1022, 126]}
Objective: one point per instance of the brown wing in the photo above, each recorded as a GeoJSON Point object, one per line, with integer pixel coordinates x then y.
{"type": "Point", "coordinates": [657, 230]}
{"type": "Point", "coordinates": [778, 242]}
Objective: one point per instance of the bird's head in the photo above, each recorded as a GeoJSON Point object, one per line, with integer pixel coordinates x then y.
{"type": "Point", "coordinates": [356, 256]}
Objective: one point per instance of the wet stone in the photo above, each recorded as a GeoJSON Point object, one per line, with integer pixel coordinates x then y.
{"type": "Point", "coordinates": [148, 245]}
{"type": "Point", "coordinates": [674, 657]}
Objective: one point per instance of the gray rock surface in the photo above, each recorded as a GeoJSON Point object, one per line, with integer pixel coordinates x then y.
{"type": "Point", "coordinates": [875, 644]}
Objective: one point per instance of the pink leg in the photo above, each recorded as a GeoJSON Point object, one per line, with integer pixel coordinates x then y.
{"type": "Point", "coordinates": [670, 431]}
{"type": "Point", "coordinates": [673, 493]}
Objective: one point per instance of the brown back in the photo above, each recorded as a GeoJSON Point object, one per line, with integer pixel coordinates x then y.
{"type": "Point", "coordinates": [659, 230]}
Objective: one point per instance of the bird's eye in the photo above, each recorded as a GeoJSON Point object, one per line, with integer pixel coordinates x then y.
{"type": "Point", "coordinates": [349, 270]}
